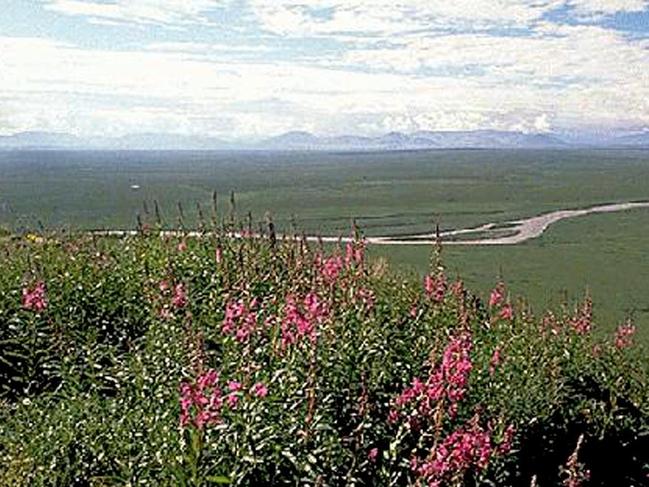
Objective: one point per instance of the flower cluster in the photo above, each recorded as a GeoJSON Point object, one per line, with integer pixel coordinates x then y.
{"type": "Point", "coordinates": [35, 298]}
{"type": "Point", "coordinates": [497, 300]}
{"type": "Point", "coordinates": [582, 321]}
{"type": "Point", "coordinates": [449, 381]}
{"type": "Point", "coordinates": [355, 253]}
{"type": "Point", "coordinates": [494, 362]}
{"type": "Point", "coordinates": [330, 268]}
{"type": "Point", "coordinates": [179, 298]}
{"type": "Point", "coordinates": [202, 401]}
{"type": "Point", "coordinates": [240, 319]}
{"type": "Point", "coordinates": [301, 318]}
{"type": "Point", "coordinates": [435, 287]}
{"type": "Point", "coordinates": [624, 335]}
{"type": "Point", "coordinates": [470, 447]}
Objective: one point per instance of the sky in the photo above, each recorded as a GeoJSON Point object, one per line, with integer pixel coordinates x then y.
{"type": "Point", "coordinates": [247, 69]}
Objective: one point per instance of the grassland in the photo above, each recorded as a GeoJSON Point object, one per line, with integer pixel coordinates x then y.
{"type": "Point", "coordinates": [602, 254]}
{"type": "Point", "coordinates": [397, 193]}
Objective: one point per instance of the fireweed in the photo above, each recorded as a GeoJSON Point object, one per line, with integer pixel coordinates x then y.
{"type": "Point", "coordinates": [35, 298]}
{"type": "Point", "coordinates": [262, 361]}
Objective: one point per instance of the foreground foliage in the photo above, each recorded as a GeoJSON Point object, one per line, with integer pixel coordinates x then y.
{"type": "Point", "coordinates": [171, 361]}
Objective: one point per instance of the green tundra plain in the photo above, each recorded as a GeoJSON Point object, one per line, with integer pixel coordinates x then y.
{"type": "Point", "coordinates": [397, 193]}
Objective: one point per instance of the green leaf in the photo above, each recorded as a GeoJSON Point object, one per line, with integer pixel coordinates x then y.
{"type": "Point", "coordinates": [218, 479]}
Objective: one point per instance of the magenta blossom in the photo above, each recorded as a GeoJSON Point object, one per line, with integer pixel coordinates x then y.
{"type": "Point", "coordinates": [331, 268]}
{"type": "Point", "coordinates": [373, 454]}
{"type": "Point", "coordinates": [582, 322]}
{"type": "Point", "coordinates": [301, 318]}
{"type": "Point", "coordinates": [240, 319]}
{"type": "Point", "coordinates": [497, 295]}
{"type": "Point", "coordinates": [35, 298]}
{"type": "Point", "coordinates": [506, 312]}
{"type": "Point", "coordinates": [447, 381]}
{"type": "Point", "coordinates": [259, 390]}
{"type": "Point", "coordinates": [201, 401]}
{"type": "Point", "coordinates": [495, 361]}
{"type": "Point", "coordinates": [624, 336]}
{"type": "Point", "coordinates": [179, 299]}
{"type": "Point", "coordinates": [435, 287]}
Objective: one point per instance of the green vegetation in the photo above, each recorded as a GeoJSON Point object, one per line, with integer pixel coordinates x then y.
{"type": "Point", "coordinates": [394, 193]}
{"type": "Point", "coordinates": [604, 255]}
{"type": "Point", "coordinates": [388, 193]}
{"type": "Point", "coordinates": [196, 362]}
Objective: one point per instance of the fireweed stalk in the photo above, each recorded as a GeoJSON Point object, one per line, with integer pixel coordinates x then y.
{"type": "Point", "coordinates": [35, 298]}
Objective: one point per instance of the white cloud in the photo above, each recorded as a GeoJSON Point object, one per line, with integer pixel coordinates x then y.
{"type": "Point", "coordinates": [607, 7]}
{"type": "Point", "coordinates": [297, 17]}
{"type": "Point", "coordinates": [56, 85]}
{"type": "Point", "coordinates": [166, 12]}
{"type": "Point", "coordinates": [378, 78]}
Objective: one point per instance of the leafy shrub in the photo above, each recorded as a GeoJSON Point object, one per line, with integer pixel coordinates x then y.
{"type": "Point", "coordinates": [171, 361]}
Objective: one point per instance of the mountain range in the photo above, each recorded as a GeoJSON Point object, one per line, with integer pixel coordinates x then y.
{"type": "Point", "coordinates": [305, 141]}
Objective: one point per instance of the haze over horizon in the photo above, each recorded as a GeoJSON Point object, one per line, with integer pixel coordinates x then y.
{"type": "Point", "coordinates": [250, 69]}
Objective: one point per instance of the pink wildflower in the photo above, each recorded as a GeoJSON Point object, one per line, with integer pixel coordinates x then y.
{"type": "Point", "coordinates": [219, 255]}
{"type": "Point", "coordinates": [182, 246]}
{"type": "Point", "coordinates": [506, 312]}
{"type": "Point", "coordinates": [331, 268]}
{"type": "Point", "coordinates": [164, 286]}
{"type": "Point", "coordinates": [575, 471]}
{"type": "Point", "coordinates": [234, 386]}
{"type": "Point", "coordinates": [393, 416]}
{"type": "Point", "coordinates": [259, 390]}
{"type": "Point", "coordinates": [354, 254]}
{"type": "Point", "coordinates": [240, 320]}
{"type": "Point", "coordinates": [301, 318]}
{"type": "Point", "coordinates": [467, 448]}
{"type": "Point", "coordinates": [624, 336]}
{"type": "Point", "coordinates": [449, 380]}
{"type": "Point", "coordinates": [232, 399]}
{"type": "Point", "coordinates": [495, 361]}
{"type": "Point", "coordinates": [373, 454]}
{"type": "Point", "coordinates": [435, 287]}
{"type": "Point", "coordinates": [582, 322]}
{"type": "Point", "coordinates": [179, 299]}
{"type": "Point", "coordinates": [505, 445]}
{"type": "Point", "coordinates": [35, 298]}
{"type": "Point", "coordinates": [201, 401]}
{"type": "Point", "coordinates": [414, 311]}
{"type": "Point", "coordinates": [497, 295]}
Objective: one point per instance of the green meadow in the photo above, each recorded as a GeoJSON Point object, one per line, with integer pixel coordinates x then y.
{"type": "Point", "coordinates": [387, 194]}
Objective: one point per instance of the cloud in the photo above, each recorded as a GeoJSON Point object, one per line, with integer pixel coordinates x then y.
{"type": "Point", "coordinates": [166, 12]}
{"type": "Point", "coordinates": [607, 7]}
{"type": "Point", "coordinates": [322, 17]}
{"type": "Point", "coordinates": [332, 66]}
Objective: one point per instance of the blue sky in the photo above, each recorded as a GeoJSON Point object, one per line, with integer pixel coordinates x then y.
{"type": "Point", "coordinates": [252, 68]}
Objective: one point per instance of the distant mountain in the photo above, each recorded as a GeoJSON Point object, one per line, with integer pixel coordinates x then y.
{"type": "Point", "coordinates": [145, 141]}
{"type": "Point", "coordinates": [299, 140]}
{"type": "Point", "coordinates": [38, 140]}
{"type": "Point", "coordinates": [634, 140]}
{"type": "Point", "coordinates": [487, 139]}
{"type": "Point", "coordinates": [154, 141]}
